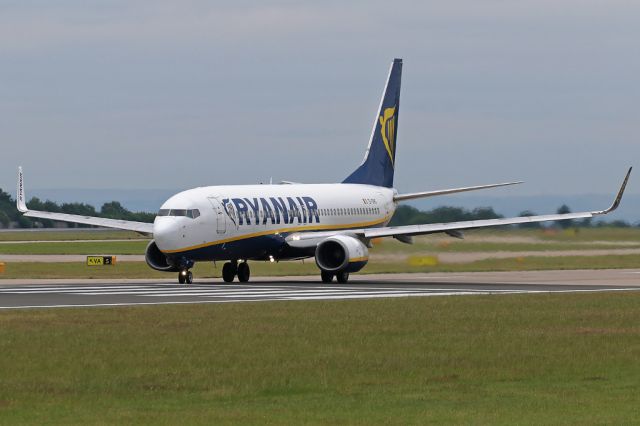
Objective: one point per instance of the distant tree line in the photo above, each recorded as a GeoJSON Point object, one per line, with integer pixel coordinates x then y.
{"type": "Point", "coordinates": [10, 216]}
{"type": "Point", "coordinates": [407, 215]}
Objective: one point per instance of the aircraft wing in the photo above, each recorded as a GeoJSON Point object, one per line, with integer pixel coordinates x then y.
{"type": "Point", "coordinates": [431, 228]}
{"type": "Point", "coordinates": [301, 239]}
{"type": "Point", "coordinates": [142, 227]}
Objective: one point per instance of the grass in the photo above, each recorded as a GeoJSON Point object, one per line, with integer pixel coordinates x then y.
{"type": "Point", "coordinates": [458, 246]}
{"type": "Point", "coordinates": [516, 359]}
{"type": "Point", "coordinates": [207, 270]}
{"type": "Point", "coordinates": [567, 235]}
{"type": "Point", "coordinates": [540, 242]}
{"type": "Point", "coordinates": [593, 234]}
{"type": "Point", "coordinates": [595, 239]}
{"type": "Point", "coordinates": [76, 247]}
{"type": "Point", "coordinates": [88, 234]}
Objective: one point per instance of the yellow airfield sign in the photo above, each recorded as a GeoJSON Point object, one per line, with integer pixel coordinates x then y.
{"type": "Point", "coordinates": [101, 260]}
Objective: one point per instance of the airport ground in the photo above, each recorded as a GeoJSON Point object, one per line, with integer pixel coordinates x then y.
{"type": "Point", "coordinates": [59, 254]}
{"type": "Point", "coordinates": [567, 358]}
{"type": "Point", "coordinates": [502, 358]}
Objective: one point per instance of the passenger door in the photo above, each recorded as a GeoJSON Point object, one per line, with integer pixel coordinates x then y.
{"type": "Point", "coordinates": [218, 211]}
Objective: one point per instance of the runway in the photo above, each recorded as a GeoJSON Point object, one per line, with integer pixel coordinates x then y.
{"type": "Point", "coordinates": [24, 294]}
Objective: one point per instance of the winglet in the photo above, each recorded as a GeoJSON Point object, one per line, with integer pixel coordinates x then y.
{"type": "Point", "coordinates": [20, 199]}
{"type": "Point", "coordinates": [616, 202]}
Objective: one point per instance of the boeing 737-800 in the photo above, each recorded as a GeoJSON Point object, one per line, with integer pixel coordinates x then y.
{"type": "Point", "coordinates": [334, 223]}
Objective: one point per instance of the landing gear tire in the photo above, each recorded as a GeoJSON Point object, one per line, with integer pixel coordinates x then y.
{"type": "Point", "coordinates": [244, 272]}
{"type": "Point", "coordinates": [326, 277]}
{"type": "Point", "coordinates": [185, 277]}
{"type": "Point", "coordinates": [229, 271]}
{"type": "Point", "coordinates": [343, 277]}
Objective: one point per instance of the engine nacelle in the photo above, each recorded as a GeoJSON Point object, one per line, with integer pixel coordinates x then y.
{"type": "Point", "coordinates": [341, 253]}
{"type": "Point", "coordinates": [157, 259]}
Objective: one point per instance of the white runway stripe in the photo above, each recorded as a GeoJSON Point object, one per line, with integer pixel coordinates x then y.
{"type": "Point", "coordinates": [206, 293]}
{"type": "Point", "coordinates": [304, 294]}
{"type": "Point", "coordinates": [175, 290]}
{"type": "Point", "coordinates": [124, 288]}
{"type": "Point", "coordinates": [72, 290]}
{"type": "Point", "coordinates": [97, 294]}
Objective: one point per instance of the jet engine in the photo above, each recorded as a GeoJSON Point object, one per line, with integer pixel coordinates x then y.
{"type": "Point", "coordinates": [341, 253]}
{"type": "Point", "coordinates": [157, 260]}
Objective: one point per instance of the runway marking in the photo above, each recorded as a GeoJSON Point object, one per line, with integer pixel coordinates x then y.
{"type": "Point", "coordinates": [293, 298]}
{"type": "Point", "coordinates": [175, 294]}
{"type": "Point", "coordinates": [234, 292]}
{"type": "Point", "coordinates": [110, 290]}
{"type": "Point", "coordinates": [128, 289]}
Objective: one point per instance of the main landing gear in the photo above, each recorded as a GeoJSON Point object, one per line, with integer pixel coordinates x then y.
{"type": "Point", "coordinates": [231, 269]}
{"type": "Point", "coordinates": [185, 277]}
{"type": "Point", "coordinates": [341, 277]}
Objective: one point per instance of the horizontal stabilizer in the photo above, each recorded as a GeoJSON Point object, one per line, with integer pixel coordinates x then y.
{"type": "Point", "coordinates": [404, 197]}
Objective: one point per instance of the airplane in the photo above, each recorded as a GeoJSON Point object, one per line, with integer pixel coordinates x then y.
{"type": "Point", "coordinates": [333, 223]}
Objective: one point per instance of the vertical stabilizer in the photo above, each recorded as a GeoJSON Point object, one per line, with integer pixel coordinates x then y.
{"type": "Point", "coordinates": [378, 165]}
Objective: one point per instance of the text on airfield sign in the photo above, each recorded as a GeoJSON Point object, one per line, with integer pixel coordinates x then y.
{"type": "Point", "coordinates": [101, 260]}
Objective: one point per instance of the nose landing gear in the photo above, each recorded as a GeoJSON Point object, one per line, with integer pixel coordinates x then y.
{"type": "Point", "coordinates": [185, 277]}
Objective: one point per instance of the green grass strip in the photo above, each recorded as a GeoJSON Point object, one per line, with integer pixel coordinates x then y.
{"type": "Point", "coordinates": [511, 359]}
{"type": "Point", "coordinates": [75, 247]}
{"type": "Point", "coordinates": [88, 234]}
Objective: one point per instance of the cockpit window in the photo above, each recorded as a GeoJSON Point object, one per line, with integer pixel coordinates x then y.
{"type": "Point", "coordinates": [191, 213]}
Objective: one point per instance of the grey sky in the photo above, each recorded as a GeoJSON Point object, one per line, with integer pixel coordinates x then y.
{"type": "Point", "coordinates": [177, 94]}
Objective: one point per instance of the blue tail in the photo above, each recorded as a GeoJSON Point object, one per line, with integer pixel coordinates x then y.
{"type": "Point", "coordinates": [378, 164]}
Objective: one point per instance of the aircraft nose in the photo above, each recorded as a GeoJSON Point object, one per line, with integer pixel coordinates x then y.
{"type": "Point", "coordinates": [164, 228]}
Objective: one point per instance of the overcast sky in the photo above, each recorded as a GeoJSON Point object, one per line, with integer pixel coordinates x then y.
{"type": "Point", "coordinates": [177, 94]}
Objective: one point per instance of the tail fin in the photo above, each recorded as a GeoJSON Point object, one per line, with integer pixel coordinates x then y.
{"type": "Point", "coordinates": [378, 165]}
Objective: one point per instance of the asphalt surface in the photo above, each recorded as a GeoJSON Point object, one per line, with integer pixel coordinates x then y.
{"type": "Point", "coordinates": [22, 294]}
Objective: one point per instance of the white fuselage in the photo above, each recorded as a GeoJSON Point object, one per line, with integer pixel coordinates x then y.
{"type": "Point", "coordinates": [219, 216]}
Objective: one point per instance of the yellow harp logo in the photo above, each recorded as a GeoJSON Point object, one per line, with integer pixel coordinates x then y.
{"type": "Point", "coordinates": [388, 130]}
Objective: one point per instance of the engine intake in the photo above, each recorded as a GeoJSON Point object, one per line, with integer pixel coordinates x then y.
{"type": "Point", "coordinates": [341, 253]}
{"type": "Point", "coordinates": [157, 260]}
